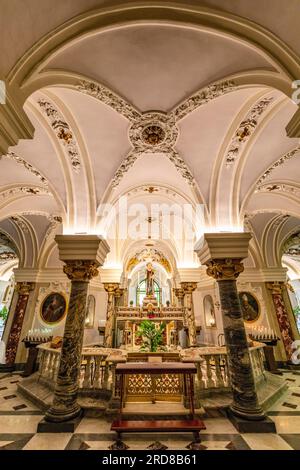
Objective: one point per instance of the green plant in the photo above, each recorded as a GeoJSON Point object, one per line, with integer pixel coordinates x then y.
{"type": "Point", "coordinates": [4, 313]}
{"type": "Point", "coordinates": [296, 310]}
{"type": "Point", "coordinates": [152, 336]}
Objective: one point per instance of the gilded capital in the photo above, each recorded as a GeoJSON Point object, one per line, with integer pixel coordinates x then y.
{"type": "Point", "coordinates": [275, 287]}
{"type": "Point", "coordinates": [78, 270]}
{"type": "Point", "coordinates": [119, 292]}
{"type": "Point", "coordinates": [179, 292]}
{"type": "Point", "coordinates": [112, 287]}
{"type": "Point", "coordinates": [24, 288]}
{"type": "Point", "coordinates": [188, 287]}
{"type": "Point", "coordinates": [224, 269]}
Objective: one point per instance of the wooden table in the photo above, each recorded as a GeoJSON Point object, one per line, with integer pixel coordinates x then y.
{"type": "Point", "coordinates": [185, 369]}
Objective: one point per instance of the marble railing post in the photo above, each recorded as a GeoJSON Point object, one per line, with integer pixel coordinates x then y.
{"type": "Point", "coordinates": [223, 253]}
{"type": "Point", "coordinates": [188, 289]}
{"type": "Point", "coordinates": [111, 288]}
{"type": "Point", "coordinates": [23, 289]}
{"type": "Point", "coordinates": [82, 255]}
{"type": "Point", "coordinates": [276, 289]}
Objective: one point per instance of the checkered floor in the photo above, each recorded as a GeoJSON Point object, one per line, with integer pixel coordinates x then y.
{"type": "Point", "coordinates": [19, 419]}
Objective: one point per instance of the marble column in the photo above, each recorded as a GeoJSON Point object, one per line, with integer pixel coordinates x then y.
{"type": "Point", "coordinates": [23, 289]}
{"type": "Point", "coordinates": [82, 255]}
{"type": "Point", "coordinates": [282, 315]}
{"type": "Point", "coordinates": [111, 288]}
{"type": "Point", "coordinates": [188, 289]}
{"type": "Point", "coordinates": [223, 253]}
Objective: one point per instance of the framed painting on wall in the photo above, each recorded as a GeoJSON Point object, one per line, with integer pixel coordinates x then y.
{"type": "Point", "coordinates": [53, 308]}
{"type": "Point", "coordinates": [250, 307]}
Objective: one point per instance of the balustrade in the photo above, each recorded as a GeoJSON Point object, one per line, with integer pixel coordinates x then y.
{"type": "Point", "coordinates": [98, 367]}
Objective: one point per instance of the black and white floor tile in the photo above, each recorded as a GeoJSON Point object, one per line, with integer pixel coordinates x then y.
{"type": "Point", "coordinates": [19, 419]}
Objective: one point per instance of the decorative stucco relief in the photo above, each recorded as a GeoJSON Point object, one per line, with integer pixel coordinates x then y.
{"type": "Point", "coordinates": [109, 98]}
{"type": "Point", "coordinates": [284, 158]}
{"type": "Point", "coordinates": [25, 190]}
{"type": "Point", "coordinates": [26, 165]}
{"type": "Point", "coordinates": [279, 188]}
{"type": "Point", "coordinates": [63, 132]}
{"type": "Point", "coordinates": [202, 97]}
{"type": "Point", "coordinates": [246, 129]}
{"type": "Point", "coordinates": [20, 223]}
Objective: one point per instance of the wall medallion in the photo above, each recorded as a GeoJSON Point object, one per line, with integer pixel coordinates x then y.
{"type": "Point", "coordinates": [53, 308]}
{"type": "Point", "coordinates": [250, 307]}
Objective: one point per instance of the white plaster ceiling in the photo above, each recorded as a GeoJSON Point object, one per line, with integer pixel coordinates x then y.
{"type": "Point", "coordinates": [151, 66]}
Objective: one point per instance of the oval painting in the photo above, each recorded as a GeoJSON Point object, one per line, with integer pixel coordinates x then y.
{"type": "Point", "coordinates": [53, 308]}
{"type": "Point", "coordinates": [250, 306]}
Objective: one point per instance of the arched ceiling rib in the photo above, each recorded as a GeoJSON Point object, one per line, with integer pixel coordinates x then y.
{"type": "Point", "coordinates": [156, 102]}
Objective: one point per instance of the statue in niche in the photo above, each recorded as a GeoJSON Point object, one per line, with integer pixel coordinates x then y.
{"type": "Point", "coordinates": [149, 279]}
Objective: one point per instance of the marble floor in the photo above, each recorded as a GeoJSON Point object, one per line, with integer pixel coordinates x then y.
{"type": "Point", "coordinates": [19, 419]}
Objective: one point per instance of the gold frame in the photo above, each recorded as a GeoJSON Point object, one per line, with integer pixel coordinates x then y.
{"type": "Point", "coordinates": [65, 312]}
{"type": "Point", "coordinates": [259, 307]}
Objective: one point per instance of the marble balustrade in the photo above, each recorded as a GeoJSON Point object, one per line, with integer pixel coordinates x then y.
{"type": "Point", "coordinates": [98, 367]}
{"type": "Point", "coordinates": [95, 372]}
{"type": "Point", "coordinates": [212, 367]}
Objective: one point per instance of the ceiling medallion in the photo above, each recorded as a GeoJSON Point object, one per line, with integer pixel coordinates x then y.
{"type": "Point", "coordinates": [153, 135]}
{"type": "Point", "coordinates": [154, 130]}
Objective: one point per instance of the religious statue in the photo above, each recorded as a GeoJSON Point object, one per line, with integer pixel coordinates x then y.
{"type": "Point", "coordinates": [150, 279]}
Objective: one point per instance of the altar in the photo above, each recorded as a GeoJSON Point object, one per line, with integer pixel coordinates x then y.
{"type": "Point", "coordinates": [129, 320]}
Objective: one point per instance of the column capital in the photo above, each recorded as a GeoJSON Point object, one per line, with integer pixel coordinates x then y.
{"type": "Point", "coordinates": [119, 292]}
{"type": "Point", "coordinates": [223, 253]}
{"type": "Point", "coordinates": [179, 292]}
{"type": "Point", "coordinates": [225, 269]}
{"type": "Point", "coordinates": [24, 288]}
{"type": "Point", "coordinates": [78, 270]}
{"type": "Point", "coordinates": [111, 287]}
{"type": "Point", "coordinates": [82, 255]}
{"type": "Point", "coordinates": [188, 287]}
{"type": "Point", "coordinates": [275, 287]}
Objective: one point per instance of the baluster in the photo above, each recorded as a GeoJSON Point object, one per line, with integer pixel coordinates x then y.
{"type": "Point", "coordinates": [219, 377]}
{"type": "Point", "coordinates": [45, 364]}
{"type": "Point", "coordinates": [200, 380]}
{"type": "Point", "coordinates": [41, 360]}
{"type": "Point", "coordinates": [209, 383]}
{"type": "Point", "coordinates": [87, 373]}
{"type": "Point", "coordinates": [53, 366]}
{"type": "Point", "coordinates": [226, 371]}
{"type": "Point", "coordinates": [106, 377]}
{"type": "Point", "coordinates": [56, 366]}
{"type": "Point", "coordinates": [97, 377]}
{"type": "Point", "coordinates": [50, 365]}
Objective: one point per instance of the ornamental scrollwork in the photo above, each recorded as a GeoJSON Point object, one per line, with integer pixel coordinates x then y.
{"type": "Point", "coordinates": [81, 270]}
{"type": "Point", "coordinates": [224, 269]}
{"type": "Point", "coordinates": [63, 132]}
{"type": "Point", "coordinates": [246, 129]}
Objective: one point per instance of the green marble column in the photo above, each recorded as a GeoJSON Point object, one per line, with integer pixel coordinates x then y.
{"type": "Point", "coordinates": [215, 253]}
{"type": "Point", "coordinates": [79, 271]}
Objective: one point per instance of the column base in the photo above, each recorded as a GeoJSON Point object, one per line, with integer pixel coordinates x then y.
{"type": "Point", "coordinates": [65, 426]}
{"type": "Point", "coordinates": [263, 425]}
{"type": "Point", "coordinates": [60, 415]}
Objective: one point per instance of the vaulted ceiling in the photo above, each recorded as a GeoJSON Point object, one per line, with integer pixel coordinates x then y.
{"type": "Point", "coordinates": [188, 99]}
